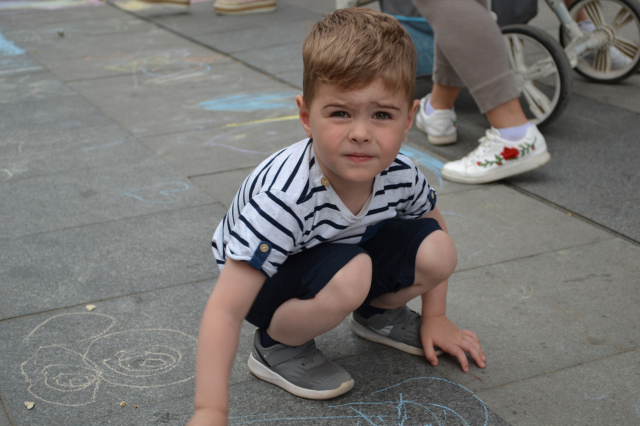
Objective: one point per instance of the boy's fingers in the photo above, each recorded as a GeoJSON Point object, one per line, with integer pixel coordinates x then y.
{"type": "Point", "coordinates": [430, 353]}
{"type": "Point", "coordinates": [462, 359]}
{"type": "Point", "coordinates": [471, 334]}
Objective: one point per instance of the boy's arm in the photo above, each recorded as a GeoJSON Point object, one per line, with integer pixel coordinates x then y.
{"type": "Point", "coordinates": [438, 330]}
{"type": "Point", "coordinates": [227, 307]}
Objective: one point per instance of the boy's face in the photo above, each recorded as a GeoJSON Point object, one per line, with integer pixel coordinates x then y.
{"type": "Point", "coordinates": [356, 134]}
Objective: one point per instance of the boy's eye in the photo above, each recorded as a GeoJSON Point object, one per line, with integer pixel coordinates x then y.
{"type": "Point", "coordinates": [380, 115]}
{"type": "Point", "coordinates": [340, 114]}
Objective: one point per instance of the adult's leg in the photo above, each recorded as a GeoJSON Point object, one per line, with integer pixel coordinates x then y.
{"type": "Point", "coordinates": [470, 51]}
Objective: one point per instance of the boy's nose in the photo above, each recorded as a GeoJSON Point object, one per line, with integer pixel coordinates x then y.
{"type": "Point", "coordinates": [360, 132]}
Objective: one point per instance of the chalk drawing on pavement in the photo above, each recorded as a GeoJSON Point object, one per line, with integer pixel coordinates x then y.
{"type": "Point", "coordinates": [252, 101]}
{"type": "Point", "coordinates": [425, 160]}
{"type": "Point", "coordinates": [82, 356]}
{"type": "Point", "coordinates": [169, 67]}
{"type": "Point", "coordinates": [420, 400]}
{"type": "Point", "coordinates": [161, 193]}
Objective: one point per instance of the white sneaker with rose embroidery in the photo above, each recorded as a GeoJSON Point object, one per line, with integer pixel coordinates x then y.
{"type": "Point", "coordinates": [497, 158]}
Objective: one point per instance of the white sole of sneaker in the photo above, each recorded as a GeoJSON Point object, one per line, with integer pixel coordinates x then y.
{"type": "Point", "coordinates": [245, 9]}
{"type": "Point", "coordinates": [437, 140]}
{"type": "Point", "coordinates": [268, 375]}
{"type": "Point", "coordinates": [365, 333]}
{"type": "Point", "coordinates": [139, 5]}
{"type": "Point", "coordinates": [500, 172]}
{"type": "Point", "coordinates": [442, 140]}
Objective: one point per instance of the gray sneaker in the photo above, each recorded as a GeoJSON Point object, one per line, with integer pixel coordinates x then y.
{"type": "Point", "coordinates": [301, 370]}
{"type": "Point", "coordinates": [398, 328]}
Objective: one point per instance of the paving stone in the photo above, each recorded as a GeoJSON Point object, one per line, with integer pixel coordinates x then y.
{"type": "Point", "coordinates": [146, 105]}
{"type": "Point", "coordinates": [47, 33]}
{"type": "Point", "coordinates": [4, 420]}
{"type": "Point", "coordinates": [222, 187]}
{"type": "Point", "coordinates": [495, 224]}
{"type": "Point", "coordinates": [175, 411]}
{"type": "Point", "coordinates": [202, 20]}
{"type": "Point", "coordinates": [610, 94]}
{"type": "Point", "coordinates": [606, 391]}
{"type": "Point", "coordinates": [294, 77]}
{"type": "Point", "coordinates": [274, 60]}
{"type": "Point", "coordinates": [59, 201]}
{"type": "Point", "coordinates": [89, 263]}
{"type": "Point", "coordinates": [593, 164]}
{"type": "Point", "coordinates": [172, 61]}
{"type": "Point", "coordinates": [390, 387]}
{"type": "Point", "coordinates": [256, 37]}
{"type": "Point", "coordinates": [230, 146]}
{"type": "Point", "coordinates": [25, 154]}
{"type": "Point", "coordinates": [548, 312]}
{"type": "Point", "coordinates": [58, 113]}
{"type": "Point", "coordinates": [31, 86]}
{"type": "Point", "coordinates": [78, 366]}
{"type": "Point", "coordinates": [35, 14]}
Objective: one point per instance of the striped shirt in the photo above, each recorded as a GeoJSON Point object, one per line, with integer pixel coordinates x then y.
{"type": "Point", "coordinates": [282, 208]}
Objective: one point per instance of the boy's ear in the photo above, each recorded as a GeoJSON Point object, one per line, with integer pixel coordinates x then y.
{"type": "Point", "coordinates": [304, 115]}
{"type": "Point", "coordinates": [412, 113]}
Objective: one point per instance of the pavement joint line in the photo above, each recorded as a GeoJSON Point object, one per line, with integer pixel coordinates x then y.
{"type": "Point", "coordinates": [107, 299]}
{"type": "Point", "coordinates": [205, 45]}
{"type": "Point", "coordinates": [572, 213]}
{"type": "Point", "coordinates": [4, 407]}
{"type": "Point", "coordinates": [556, 371]}
{"type": "Point", "coordinates": [114, 220]}
{"type": "Point", "coordinates": [223, 171]}
{"type": "Point", "coordinates": [533, 255]}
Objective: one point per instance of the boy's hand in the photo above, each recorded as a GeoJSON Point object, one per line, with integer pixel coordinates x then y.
{"type": "Point", "coordinates": [208, 417]}
{"type": "Point", "coordinates": [441, 332]}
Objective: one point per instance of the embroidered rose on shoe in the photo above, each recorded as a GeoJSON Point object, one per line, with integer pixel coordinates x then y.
{"type": "Point", "coordinates": [509, 154]}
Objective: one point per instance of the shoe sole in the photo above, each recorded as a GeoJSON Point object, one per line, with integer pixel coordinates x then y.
{"type": "Point", "coordinates": [136, 5]}
{"type": "Point", "coordinates": [437, 140]}
{"type": "Point", "coordinates": [261, 7]}
{"type": "Point", "coordinates": [501, 172]}
{"type": "Point", "coordinates": [268, 375]}
{"type": "Point", "coordinates": [362, 331]}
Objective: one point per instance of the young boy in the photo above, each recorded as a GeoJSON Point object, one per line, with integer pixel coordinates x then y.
{"type": "Point", "coordinates": [334, 225]}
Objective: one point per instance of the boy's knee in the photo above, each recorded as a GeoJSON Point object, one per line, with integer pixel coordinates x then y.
{"type": "Point", "coordinates": [437, 257]}
{"type": "Point", "coordinates": [352, 283]}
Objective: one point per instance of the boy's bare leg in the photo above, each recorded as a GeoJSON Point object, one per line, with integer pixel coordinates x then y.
{"type": "Point", "coordinates": [435, 262]}
{"type": "Point", "coordinates": [297, 321]}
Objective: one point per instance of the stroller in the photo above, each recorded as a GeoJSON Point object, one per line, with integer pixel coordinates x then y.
{"type": "Point", "coordinates": [542, 66]}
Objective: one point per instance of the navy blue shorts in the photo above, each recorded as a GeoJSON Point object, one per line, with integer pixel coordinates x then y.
{"type": "Point", "coordinates": [392, 249]}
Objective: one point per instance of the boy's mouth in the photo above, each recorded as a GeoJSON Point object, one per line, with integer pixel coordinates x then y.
{"type": "Point", "coordinates": [358, 157]}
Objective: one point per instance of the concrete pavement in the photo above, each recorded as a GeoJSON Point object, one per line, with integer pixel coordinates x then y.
{"type": "Point", "coordinates": [123, 138]}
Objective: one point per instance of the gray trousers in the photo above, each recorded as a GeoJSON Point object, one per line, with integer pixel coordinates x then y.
{"type": "Point", "coordinates": [469, 50]}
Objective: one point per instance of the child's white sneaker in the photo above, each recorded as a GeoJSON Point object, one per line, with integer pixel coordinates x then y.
{"type": "Point", "coordinates": [440, 126]}
{"type": "Point", "coordinates": [497, 158]}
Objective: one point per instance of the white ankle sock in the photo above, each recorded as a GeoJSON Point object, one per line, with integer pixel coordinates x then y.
{"type": "Point", "coordinates": [587, 26]}
{"type": "Point", "coordinates": [516, 133]}
{"type": "Point", "coordinates": [429, 109]}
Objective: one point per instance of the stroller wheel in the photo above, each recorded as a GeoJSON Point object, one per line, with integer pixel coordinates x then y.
{"type": "Point", "coordinates": [618, 21]}
{"type": "Point", "coordinates": [542, 72]}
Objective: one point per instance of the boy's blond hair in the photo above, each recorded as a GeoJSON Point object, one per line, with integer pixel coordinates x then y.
{"type": "Point", "coordinates": [351, 48]}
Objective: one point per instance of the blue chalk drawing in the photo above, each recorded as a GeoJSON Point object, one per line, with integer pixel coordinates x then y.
{"type": "Point", "coordinates": [106, 145]}
{"type": "Point", "coordinates": [425, 160]}
{"type": "Point", "coordinates": [252, 101]}
{"type": "Point", "coordinates": [8, 47]}
{"type": "Point", "coordinates": [637, 407]}
{"type": "Point", "coordinates": [162, 193]}
{"type": "Point", "coordinates": [398, 404]}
